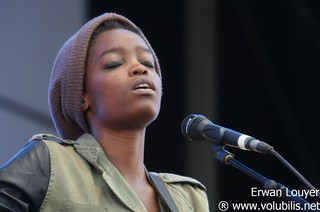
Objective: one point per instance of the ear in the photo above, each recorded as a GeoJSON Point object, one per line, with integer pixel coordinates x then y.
{"type": "Point", "coordinates": [85, 103]}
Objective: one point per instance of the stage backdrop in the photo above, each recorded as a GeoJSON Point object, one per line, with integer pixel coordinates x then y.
{"type": "Point", "coordinates": [31, 34]}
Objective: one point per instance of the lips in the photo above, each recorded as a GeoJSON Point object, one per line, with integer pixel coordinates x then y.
{"type": "Point", "coordinates": [142, 83]}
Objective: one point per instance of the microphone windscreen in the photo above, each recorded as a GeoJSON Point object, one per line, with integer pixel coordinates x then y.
{"type": "Point", "coordinates": [189, 127]}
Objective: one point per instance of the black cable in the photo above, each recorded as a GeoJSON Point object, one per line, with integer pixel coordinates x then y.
{"type": "Point", "coordinates": [294, 171]}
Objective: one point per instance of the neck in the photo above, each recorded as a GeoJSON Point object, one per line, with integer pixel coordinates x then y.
{"type": "Point", "coordinates": [125, 150]}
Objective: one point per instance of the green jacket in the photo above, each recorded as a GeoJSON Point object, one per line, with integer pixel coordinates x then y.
{"type": "Point", "coordinates": [83, 179]}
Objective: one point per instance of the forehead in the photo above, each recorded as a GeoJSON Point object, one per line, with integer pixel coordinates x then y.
{"type": "Point", "coordinates": [118, 38]}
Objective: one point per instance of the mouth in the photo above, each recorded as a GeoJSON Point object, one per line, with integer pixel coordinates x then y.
{"type": "Point", "coordinates": [143, 84]}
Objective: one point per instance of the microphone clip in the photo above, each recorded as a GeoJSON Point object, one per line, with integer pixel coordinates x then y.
{"type": "Point", "coordinates": [221, 154]}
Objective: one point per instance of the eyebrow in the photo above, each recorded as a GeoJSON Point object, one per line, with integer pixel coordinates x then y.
{"type": "Point", "coordinates": [117, 49]}
{"type": "Point", "coordinates": [143, 49]}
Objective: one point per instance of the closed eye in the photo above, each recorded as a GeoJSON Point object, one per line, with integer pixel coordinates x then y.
{"type": "Point", "coordinates": [148, 64]}
{"type": "Point", "coordinates": [112, 65]}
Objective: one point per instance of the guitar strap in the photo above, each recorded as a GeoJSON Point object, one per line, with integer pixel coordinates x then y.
{"type": "Point", "coordinates": [162, 189]}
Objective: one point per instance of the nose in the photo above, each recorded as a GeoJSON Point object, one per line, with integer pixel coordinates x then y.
{"type": "Point", "coordinates": [138, 70]}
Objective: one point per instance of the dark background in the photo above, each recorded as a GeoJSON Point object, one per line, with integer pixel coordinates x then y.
{"type": "Point", "coordinates": [268, 69]}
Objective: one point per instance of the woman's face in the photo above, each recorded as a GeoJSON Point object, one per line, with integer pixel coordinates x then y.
{"type": "Point", "coordinates": [123, 89]}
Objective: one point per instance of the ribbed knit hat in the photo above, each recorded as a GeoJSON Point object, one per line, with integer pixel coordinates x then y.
{"type": "Point", "coordinates": [68, 75]}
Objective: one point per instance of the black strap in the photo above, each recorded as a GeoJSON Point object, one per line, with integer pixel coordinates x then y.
{"type": "Point", "coordinates": [162, 189]}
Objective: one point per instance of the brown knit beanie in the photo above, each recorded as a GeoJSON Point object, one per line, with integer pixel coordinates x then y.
{"type": "Point", "coordinates": [68, 75]}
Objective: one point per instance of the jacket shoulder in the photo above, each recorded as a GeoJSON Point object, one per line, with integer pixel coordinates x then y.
{"type": "Point", "coordinates": [25, 177]}
{"type": "Point", "coordinates": [174, 178]}
{"type": "Point", "coordinates": [188, 193]}
{"type": "Point", "coordinates": [49, 137]}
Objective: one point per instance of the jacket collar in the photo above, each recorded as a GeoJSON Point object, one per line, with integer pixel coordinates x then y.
{"type": "Point", "coordinates": [89, 148]}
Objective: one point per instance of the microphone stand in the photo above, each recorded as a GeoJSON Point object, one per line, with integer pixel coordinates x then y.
{"type": "Point", "coordinates": [228, 158]}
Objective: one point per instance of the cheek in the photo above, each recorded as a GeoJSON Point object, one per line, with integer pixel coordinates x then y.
{"type": "Point", "coordinates": [99, 90]}
{"type": "Point", "coordinates": [158, 84]}
{"type": "Point", "coordinates": [103, 91]}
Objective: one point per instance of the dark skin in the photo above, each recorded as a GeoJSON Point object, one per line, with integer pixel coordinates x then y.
{"type": "Point", "coordinates": [122, 97]}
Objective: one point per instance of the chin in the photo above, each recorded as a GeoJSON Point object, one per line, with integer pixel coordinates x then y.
{"type": "Point", "coordinates": [146, 117]}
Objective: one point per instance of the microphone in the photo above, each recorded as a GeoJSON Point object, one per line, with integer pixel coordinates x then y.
{"type": "Point", "coordinates": [197, 127]}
